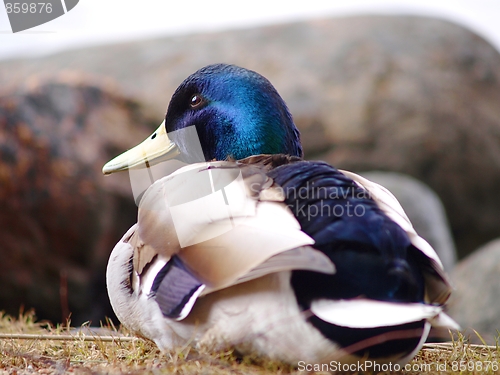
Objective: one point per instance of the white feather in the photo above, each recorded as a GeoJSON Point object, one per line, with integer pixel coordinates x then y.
{"type": "Point", "coordinates": [365, 313]}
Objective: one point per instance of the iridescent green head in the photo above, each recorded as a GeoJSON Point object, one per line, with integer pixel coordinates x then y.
{"type": "Point", "coordinates": [236, 112]}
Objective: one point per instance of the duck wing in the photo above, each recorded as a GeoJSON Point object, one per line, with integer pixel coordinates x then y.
{"type": "Point", "coordinates": [209, 226]}
{"type": "Point", "coordinates": [389, 285]}
{"type": "Point", "coordinates": [363, 229]}
{"type": "Point", "coordinates": [438, 285]}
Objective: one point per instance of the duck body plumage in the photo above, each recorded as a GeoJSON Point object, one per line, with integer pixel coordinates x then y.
{"type": "Point", "coordinates": [303, 262]}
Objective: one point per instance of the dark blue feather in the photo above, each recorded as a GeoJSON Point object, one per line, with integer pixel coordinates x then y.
{"type": "Point", "coordinates": [372, 254]}
{"type": "Point", "coordinates": [173, 288]}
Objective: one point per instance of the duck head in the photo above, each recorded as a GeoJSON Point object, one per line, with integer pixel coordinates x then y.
{"type": "Point", "coordinates": [236, 113]}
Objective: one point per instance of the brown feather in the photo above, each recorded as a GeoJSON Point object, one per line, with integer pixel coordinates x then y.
{"type": "Point", "coordinates": [225, 258]}
{"type": "Point", "coordinates": [222, 246]}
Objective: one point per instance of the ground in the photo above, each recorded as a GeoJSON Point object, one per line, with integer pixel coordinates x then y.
{"type": "Point", "coordinates": [31, 347]}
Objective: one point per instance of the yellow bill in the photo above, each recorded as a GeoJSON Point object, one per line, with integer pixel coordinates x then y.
{"type": "Point", "coordinates": [154, 149]}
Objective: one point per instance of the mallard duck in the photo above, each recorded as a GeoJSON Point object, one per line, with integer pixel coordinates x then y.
{"type": "Point", "coordinates": [248, 245]}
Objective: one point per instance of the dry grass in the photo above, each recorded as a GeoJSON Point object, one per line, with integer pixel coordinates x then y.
{"type": "Point", "coordinates": [30, 347]}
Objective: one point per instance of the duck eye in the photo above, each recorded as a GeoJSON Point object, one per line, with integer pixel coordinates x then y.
{"type": "Point", "coordinates": [195, 101]}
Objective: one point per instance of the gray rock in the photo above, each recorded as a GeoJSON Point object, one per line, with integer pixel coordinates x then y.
{"type": "Point", "coordinates": [407, 94]}
{"type": "Point", "coordinates": [59, 216]}
{"type": "Point", "coordinates": [424, 209]}
{"type": "Point", "coordinates": [475, 304]}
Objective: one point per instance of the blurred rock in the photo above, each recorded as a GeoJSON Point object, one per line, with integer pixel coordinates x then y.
{"type": "Point", "coordinates": [59, 216]}
{"type": "Point", "coordinates": [412, 95]}
{"type": "Point", "coordinates": [406, 94]}
{"type": "Point", "coordinates": [475, 302]}
{"type": "Point", "coordinates": [424, 209]}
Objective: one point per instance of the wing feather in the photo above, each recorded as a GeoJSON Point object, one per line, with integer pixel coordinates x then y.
{"type": "Point", "coordinates": [366, 313]}
{"type": "Point", "coordinates": [438, 285]}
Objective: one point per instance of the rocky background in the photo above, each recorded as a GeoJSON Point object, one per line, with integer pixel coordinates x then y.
{"type": "Point", "coordinates": [410, 95]}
